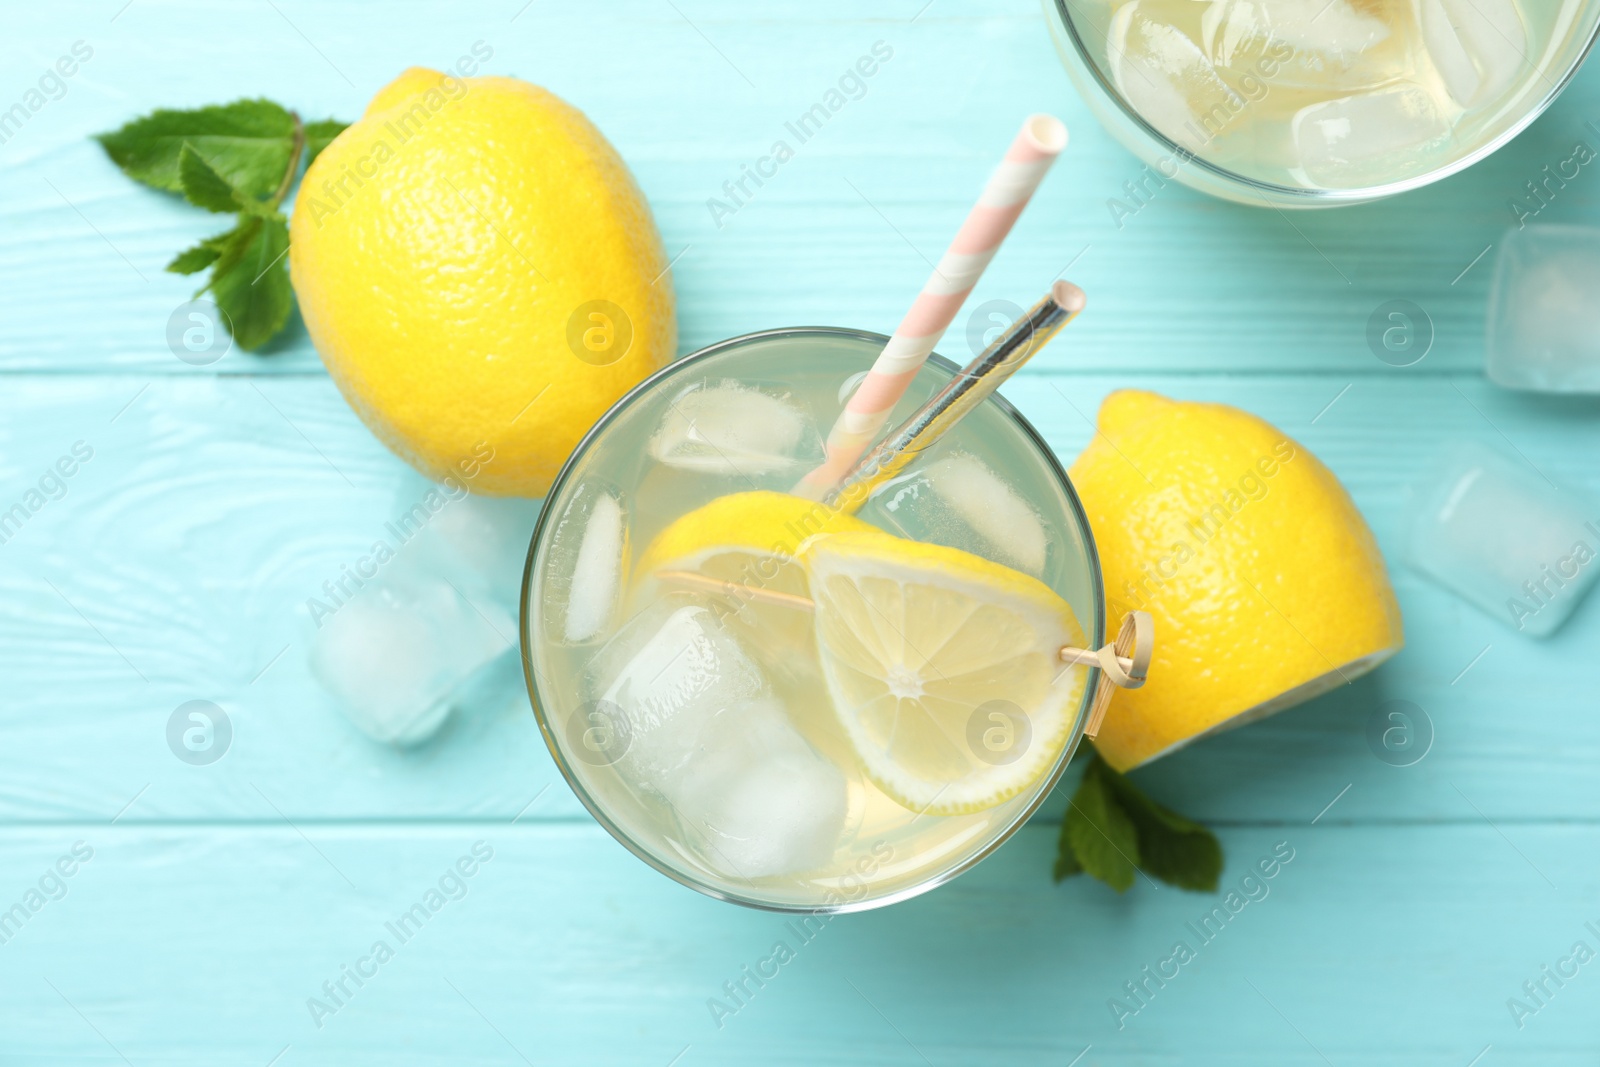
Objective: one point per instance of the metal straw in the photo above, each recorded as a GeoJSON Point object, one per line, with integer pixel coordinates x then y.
{"type": "Point", "coordinates": [960, 395]}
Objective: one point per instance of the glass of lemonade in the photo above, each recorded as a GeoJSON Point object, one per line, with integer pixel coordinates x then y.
{"type": "Point", "coordinates": [782, 705]}
{"type": "Point", "coordinates": [1315, 103]}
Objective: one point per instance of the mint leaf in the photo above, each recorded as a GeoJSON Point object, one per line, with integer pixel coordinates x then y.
{"type": "Point", "coordinates": [240, 159]}
{"type": "Point", "coordinates": [320, 134]}
{"type": "Point", "coordinates": [231, 245]}
{"type": "Point", "coordinates": [1113, 830]}
{"type": "Point", "coordinates": [247, 142]}
{"type": "Point", "coordinates": [1172, 848]}
{"type": "Point", "coordinates": [1067, 863]}
{"type": "Point", "coordinates": [228, 245]}
{"type": "Point", "coordinates": [202, 185]}
{"type": "Point", "coordinates": [251, 280]}
{"type": "Point", "coordinates": [1099, 833]}
{"type": "Point", "coordinates": [193, 259]}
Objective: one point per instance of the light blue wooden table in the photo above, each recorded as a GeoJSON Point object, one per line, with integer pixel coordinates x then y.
{"type": "Point", "coordinates": [218, 899]}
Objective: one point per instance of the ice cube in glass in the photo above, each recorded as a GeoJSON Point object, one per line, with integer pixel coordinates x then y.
{"type": "Point", "coordinates": [586, 565]}
{"type": "Point", "coordinates": [706, 733]}
{"type": "Point", "coordinates": [1478, 46]}
{"type": "Point", "coordinates": [959, 501]}
{"type": "Point", "coordinates": [1357, 139]}
{"type": "Point", "coordinates": [739, 429]}
{"type": "Point", "coordinates": [1165, 75]}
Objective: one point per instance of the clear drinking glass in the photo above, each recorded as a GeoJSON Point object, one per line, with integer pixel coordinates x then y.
{"type": "Point", "coordinates": [1222, 157]}
{"type": "Point", "coordinates": [787, 386]}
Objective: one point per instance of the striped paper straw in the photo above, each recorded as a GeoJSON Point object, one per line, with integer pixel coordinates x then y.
{"type": "Point", "coordinates": [1040, 140]}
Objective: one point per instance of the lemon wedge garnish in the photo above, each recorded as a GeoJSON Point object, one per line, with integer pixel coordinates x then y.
{"type": "Point", "coordinates": [943, 667]}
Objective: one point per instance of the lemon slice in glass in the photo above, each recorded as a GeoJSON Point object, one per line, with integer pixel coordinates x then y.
{"type": "Point", "coordinates": [745, 539]}
{"type": "Point", "coordinates": [745, 543]}
{"type": "Point", "coordinates": [944, 668]}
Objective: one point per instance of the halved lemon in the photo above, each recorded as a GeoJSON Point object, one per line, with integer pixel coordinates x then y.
{"type": "Point", "coordinates": [944, 668]}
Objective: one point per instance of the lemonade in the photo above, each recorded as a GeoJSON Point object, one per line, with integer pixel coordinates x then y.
{"type": "Point", "coordinates": [1328, 94]}
{"type": "Point", "coordinates": [782, 704]}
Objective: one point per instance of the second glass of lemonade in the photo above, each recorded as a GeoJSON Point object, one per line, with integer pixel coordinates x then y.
{"type": "Point", "coordinates": [781, 704]}
{"type": "Point", "coordinates": [1310, 103]}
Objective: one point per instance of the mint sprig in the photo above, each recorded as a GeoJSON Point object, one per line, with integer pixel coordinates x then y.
{"type": "Point", "coordinates": [1112, 831]}
{"type": "Point", "coordinates": [241, 159]}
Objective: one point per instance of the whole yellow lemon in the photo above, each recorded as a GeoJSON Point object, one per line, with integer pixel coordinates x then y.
{"type": "Point", "coordinates": [481, 276]}
{"type": "Point", "coordinates": [1265, 584]}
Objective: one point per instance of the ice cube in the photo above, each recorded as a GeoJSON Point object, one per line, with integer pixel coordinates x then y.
{"type": "Point", "coordinates": [1168, 80]}
{"type": "Point", "coordinates": [1311, 44]}
{"type": "Point", "coordinates": [585, 565]}
{"type": "Point", "coordinates": [958, 501]}
{"type": "Point", "coordinates": [1494, 532]}
{"type": "Point", "coordinates": [762, 800]}
{"type": "Point", "coordinates": [1541, 326]}
{"type": "Point", "coordinates": [1367, 137]}
{"type": "Point", "coordinates": [478, 542]}
{"type": "Point", "coordinates": [673, 671]}
{"type": "Point", "coordinates": [396, 652]}
{"type": "Point", "coordinates": [1477, 46]}
{"type": "Point", "coordinates": [729, 427]}
{"type": "Point", "coordinates": [597, 574]}
{"type": "Point", "coordinates": [707, 735]}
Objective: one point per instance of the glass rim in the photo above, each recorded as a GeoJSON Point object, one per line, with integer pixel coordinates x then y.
{"type": "Point", "coordinates": [1324, 197]}
{"type": "Point", "coordinates": [530, 678]}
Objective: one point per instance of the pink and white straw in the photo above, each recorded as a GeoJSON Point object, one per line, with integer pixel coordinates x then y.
{"type": "Point", "coordinates": [1010, 187]}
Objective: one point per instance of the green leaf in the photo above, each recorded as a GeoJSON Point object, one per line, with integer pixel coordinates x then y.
{"type": "Point", "coordinates": [1067, 864]}
{"type": "Point", "coordinates": [319, 134]}
{"type": "Point", "coordinates": [229, 245]}
{"type": "Point", "coordinates": [250, 282]}
{"type": "Point", "coordinates": [202, 185]}
{"type": "Point", "coordinates": [247, 142]}
{"type": "Point", "coordinates": [1172, 848]}
{"type": "Point", "coordinates": [1102, 838]}
{"type": "Point", "coordinates": [194, 259]}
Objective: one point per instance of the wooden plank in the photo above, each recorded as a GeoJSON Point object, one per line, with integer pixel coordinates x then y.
{"type": "Point", "coordinates": [842, 235]}
{"type": "Point", "coordinates": [178, 564]}
{"type": "Point", "coordinates": [1372, 945]}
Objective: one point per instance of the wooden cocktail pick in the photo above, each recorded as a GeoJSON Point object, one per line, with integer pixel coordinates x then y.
{"type": "Point", "coordinates": [1125, 661]}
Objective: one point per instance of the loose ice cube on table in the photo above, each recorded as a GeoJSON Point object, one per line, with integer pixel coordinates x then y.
{"type": "Point", "coordinates": [1544, 310]}
{"type": "Point", "coordinates": [1477, 46]}
{"type": "Point", "coordinates": [706, 734]}
{"type": "Point", "coordinates": [584, 566]}
{"type": "Point", "coordinates": [478, 542]}
{"type": "Point", "coordinates": [1357, 140]}
{"type": "Point", "coordinates": [1492, 530]}
{"type": "Point", "coordinates": [732, 428]}
{"type": "Point", "coordinates": [1168, 80]}
{"type": "Point", "coordinates": [1314, 44]}
{"type": "Point", "coordinates": [396, 651]}
{"type": "Point", "coordinates": [957, 501]}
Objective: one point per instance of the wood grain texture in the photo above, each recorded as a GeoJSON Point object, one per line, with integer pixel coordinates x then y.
{"type": "Point", "coordinates": [200, 944]}
{"type": "Point", "coordinates": [177, 563]}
